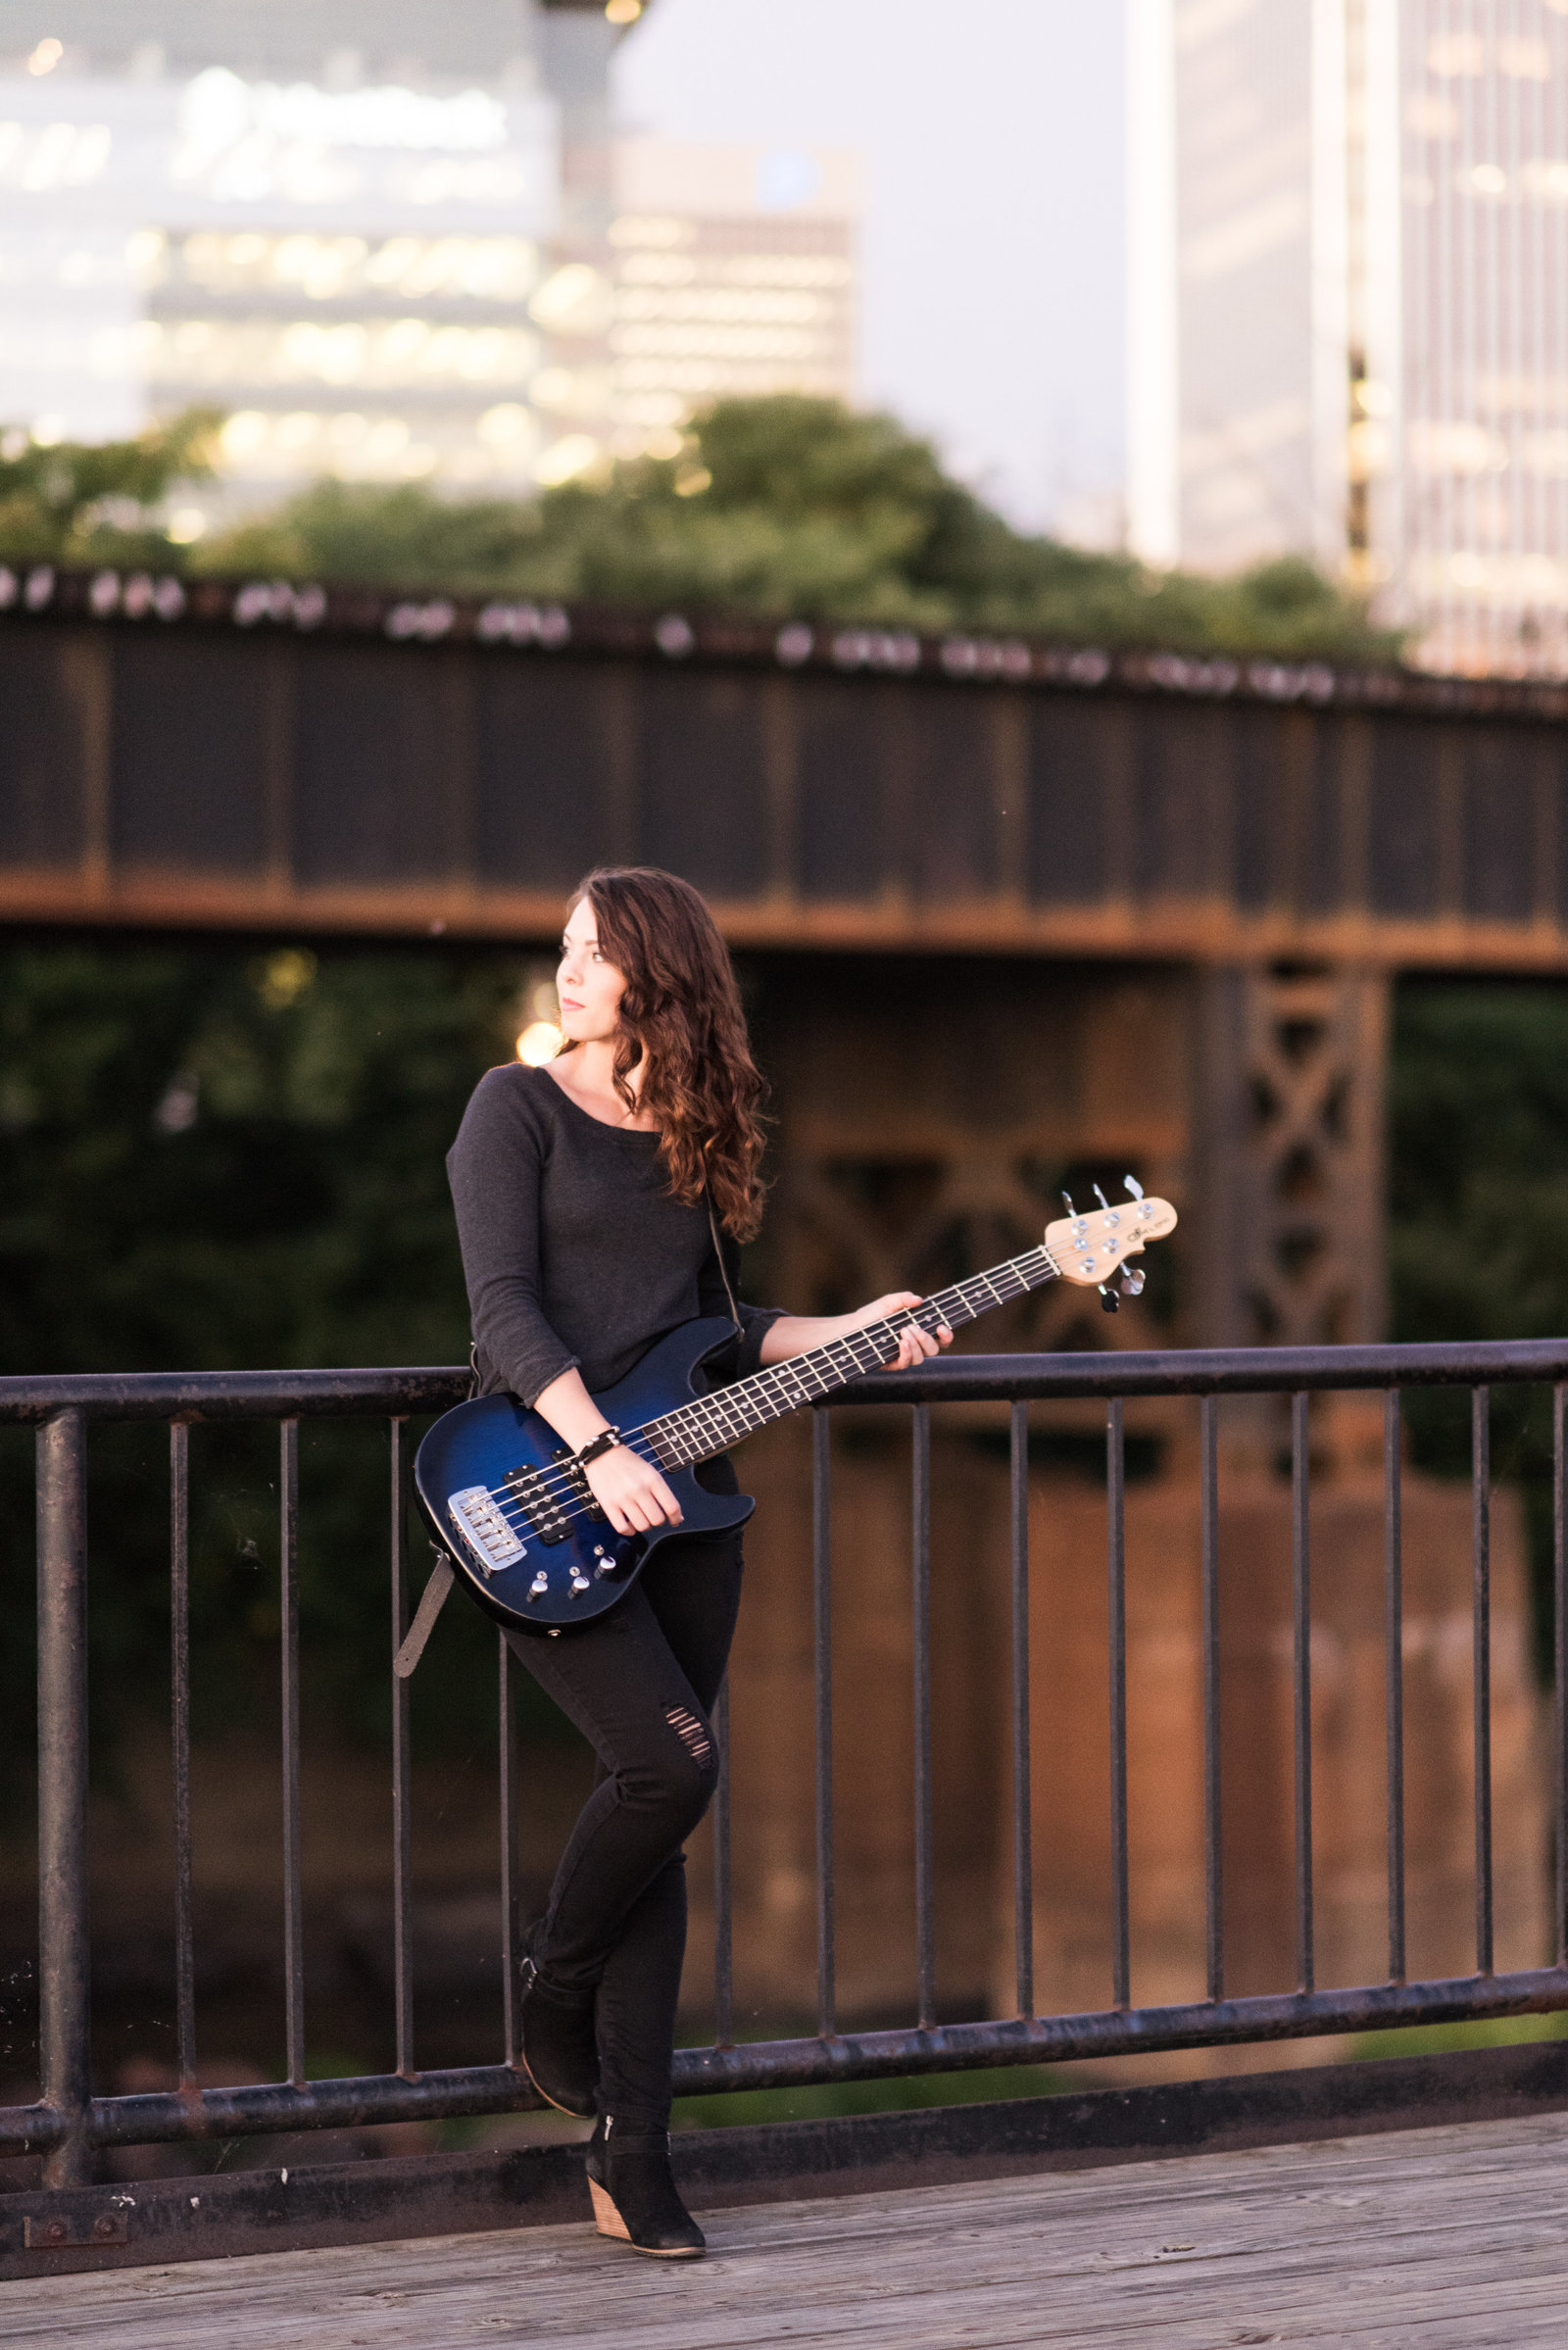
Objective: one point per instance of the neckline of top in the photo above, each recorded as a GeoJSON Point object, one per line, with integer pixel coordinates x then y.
{"type": "Point", "coordinates": [621, 1134]}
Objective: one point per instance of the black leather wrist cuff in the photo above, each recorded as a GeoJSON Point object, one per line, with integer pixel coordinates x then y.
{"type": "Point", "coordinates": [605, 1442]}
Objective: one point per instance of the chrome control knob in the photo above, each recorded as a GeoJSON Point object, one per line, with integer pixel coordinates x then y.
{"type": "Point", "coordinates": [539, 1586]}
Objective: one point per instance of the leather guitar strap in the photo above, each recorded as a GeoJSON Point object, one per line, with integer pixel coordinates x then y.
{"type": "Point", "coordinates": [443, 1575]}
{"type": "Point", "coordinates": [723, 1270]}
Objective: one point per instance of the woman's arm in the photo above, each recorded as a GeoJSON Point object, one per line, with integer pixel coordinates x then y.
{"type": "Point", "coordinates": [494, 1168]}
{"type": "Point", "coordinates": [627, 1486]}
{"type": "Point", "coordinates": [797, 1333]}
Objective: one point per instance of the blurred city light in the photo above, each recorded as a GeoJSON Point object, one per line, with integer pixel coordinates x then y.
{"type": "Point", "coordinates": [539, 1042]}
{"type": "Point", "coordinates": [425, 263]}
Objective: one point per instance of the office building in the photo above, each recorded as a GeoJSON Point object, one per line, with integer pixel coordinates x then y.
{"type": "Point", "coordinates": [734, 276]}
{"type": "Point", "coordinates": [364, 232]}
{"type": "Point", "coordinates": [1349, 306]}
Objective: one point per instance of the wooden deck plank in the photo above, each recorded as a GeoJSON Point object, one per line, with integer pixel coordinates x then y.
{"type": "Point", "coordinates": [1447, 2239]}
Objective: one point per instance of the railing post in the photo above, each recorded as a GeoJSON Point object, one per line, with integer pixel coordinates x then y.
{"type": "Point", "coordinates": [180, 1725]}
{"type": "Point", "coordinates": [511, 1890]}
{"type": "Point", "coordinates": [288, 1482]}
{"type": "Point", "coordinates": [924, 1855]}
{"type": "Point", "coordinates": [1559, 1678]}
{"type": "Point", "coordinates": [1481, 1621]}
{"type": "Point", "coordinates": [1023, 1862]}
{"type": "Point", "coordinates": [723, 1895]}
{"type": "Point", "coordinates": [402, 1772]}
{"type": "Point", "coordinates": [1393, 1672]}
{"type": "Point", "coordinates": [1116, 1580]}
{"type": "Point", "coordinates": [822, 1690]}
{"type": "Point", "coordinates": [1302, 1680]}
{"type": "Point", "coordinates": [64, 1984]}
{"type": "Point", "coordinates": [1214, 1837]}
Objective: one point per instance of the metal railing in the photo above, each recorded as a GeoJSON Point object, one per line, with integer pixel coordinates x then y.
{"type": "Point", "coordinates": [70, 2123]}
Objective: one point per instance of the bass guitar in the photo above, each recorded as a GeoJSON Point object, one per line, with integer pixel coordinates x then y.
{"type": "Point", "coordinates": [507, 1501]}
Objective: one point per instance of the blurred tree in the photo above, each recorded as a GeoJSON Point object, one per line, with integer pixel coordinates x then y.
{"type": "Point", "coordinates": [1479, 1215]}
{"type": "Point", "coordinates": [1479, 1127]}
{"type": "Point", "coordinates": [211, 1158]}
{"type": "Point", "coordinates": [786, 505]}
{"type": "Point", "coordinates": [790, 505]}
{"type": "Point", "coordinates": [73, 501]}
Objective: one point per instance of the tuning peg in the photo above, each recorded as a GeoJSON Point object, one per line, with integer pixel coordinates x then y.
{"type": "Point", "coordinates": [1133, 1188]}
{"type": "Point", "coordinates": [1132, 1281]}
{"type": "Point", "coordinates": [1109, 1302]}
{"type": "Point", "coordinates": [1100, 1197]}
{"type": "Point", "coordinates": [1066, 1200]}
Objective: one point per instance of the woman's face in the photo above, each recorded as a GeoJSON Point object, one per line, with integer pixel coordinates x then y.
{"type": "Point", "coordinates": [590, 989]}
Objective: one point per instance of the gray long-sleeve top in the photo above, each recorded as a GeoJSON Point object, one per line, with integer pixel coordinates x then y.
{"type": "Point", "coordinates": [573, 1250]}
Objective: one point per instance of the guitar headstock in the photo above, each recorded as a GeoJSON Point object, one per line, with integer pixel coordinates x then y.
{"type": "Point", "coordinates": [1091, 1248]}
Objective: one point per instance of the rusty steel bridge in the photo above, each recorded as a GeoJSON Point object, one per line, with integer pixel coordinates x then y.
{"type": "Point", "coordinates": [1116, 907]}
{"type": "Point", "coordinates": [261, 756]}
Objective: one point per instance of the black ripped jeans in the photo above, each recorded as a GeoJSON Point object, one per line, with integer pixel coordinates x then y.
{"type": "Point", "coordinates": [640, 1685]}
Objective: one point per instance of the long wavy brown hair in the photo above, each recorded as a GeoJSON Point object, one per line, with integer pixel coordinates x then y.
{"type": "Point", "coordinates": [681, 1023]}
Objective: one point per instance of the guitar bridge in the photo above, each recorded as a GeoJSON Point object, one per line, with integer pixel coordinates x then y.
{"type": "Point", "coordinates": [485, 1530]}
{"type": "Point", "coordinates": [550, 1499]}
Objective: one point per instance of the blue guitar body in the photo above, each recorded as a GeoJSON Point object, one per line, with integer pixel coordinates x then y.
{"type": "Point", "coordinates": [525, 1532]}
{"type": "Point", "coordinates": [508, 1503]}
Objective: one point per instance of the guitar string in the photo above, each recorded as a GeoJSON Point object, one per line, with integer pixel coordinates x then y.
{"type": "Point", "coordinates": [560, 1482]}
{"type": "Point", "coordinates": [512, 1509]}
{"type": "Point", "coordinates": [544, 1499]}
{"type": "Point", "coordinates": [714, 1408]}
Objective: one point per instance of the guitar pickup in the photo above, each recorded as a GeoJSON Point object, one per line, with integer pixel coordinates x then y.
{"type": "Point", "coordinates": [550, 1499]}
{"type": "Point", "coordinates": [478, 1519]}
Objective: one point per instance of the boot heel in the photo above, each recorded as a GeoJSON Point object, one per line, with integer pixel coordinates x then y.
{"type": "Point", "coordinates": [634, 2196]}
{"type": "Point", "coordinates": [608, 2218]}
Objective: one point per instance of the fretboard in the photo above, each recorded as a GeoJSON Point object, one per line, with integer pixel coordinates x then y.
{"type": "Point", "coordinates": [711, 1423]}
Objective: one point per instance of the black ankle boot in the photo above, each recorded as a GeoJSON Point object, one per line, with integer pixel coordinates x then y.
{"type": "Point", "coordinates": [559, 2045]}
{"type": "Point", "coordinates": [634, 2193]}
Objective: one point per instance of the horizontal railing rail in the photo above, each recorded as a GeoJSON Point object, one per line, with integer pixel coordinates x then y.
{"type": "Point", "coordinates": [964, 1379]}
{"type": "Point", "coordinates": [199, 1395]}
{"type": "Point", "coordinates": [71, 2124]}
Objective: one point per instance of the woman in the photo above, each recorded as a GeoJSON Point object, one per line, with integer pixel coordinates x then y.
{"type": "Point", "coordinates": [600, 1201]}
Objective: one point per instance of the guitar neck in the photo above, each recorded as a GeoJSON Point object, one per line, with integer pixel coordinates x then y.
{"type": "Point", "coordinates": [711, 1423]}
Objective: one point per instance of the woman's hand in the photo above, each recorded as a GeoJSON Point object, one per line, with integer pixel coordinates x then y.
{"type": "Point", "coordinates": [630, 1492]}
{"type": "Point", "coordinates": [916, 1346]}
{"type": "Point", "coordinates": [626, 1483]}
